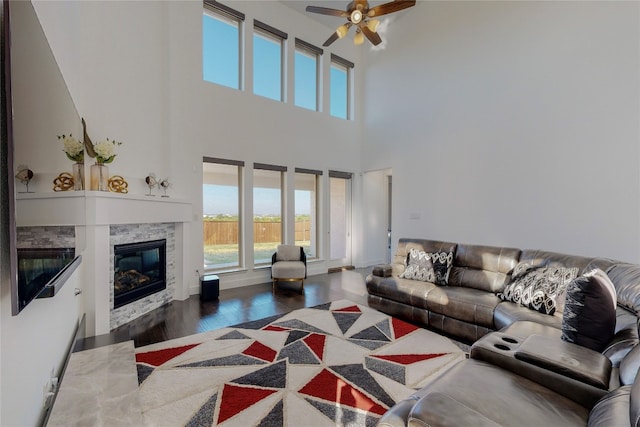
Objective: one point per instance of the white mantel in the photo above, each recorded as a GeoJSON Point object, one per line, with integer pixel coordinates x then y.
{"type": "Point", "coordinates": [98, 208]}
{"type": "Point", "coordinates": [92, 213]}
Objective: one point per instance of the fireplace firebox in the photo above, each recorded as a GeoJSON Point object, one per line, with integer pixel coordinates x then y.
{"type": "Point", "coordinates": [139, 270]}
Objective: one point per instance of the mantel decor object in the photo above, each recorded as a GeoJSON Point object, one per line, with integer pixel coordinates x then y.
{"type": "Point", "coordinates": [78, 176]}
{"type": "Point", "coordinates": [99, 177]}
{"type": "Point", "coordinates": [64, 182]}
{"type": "Point", "coordinates": [117, 184]}
{"type": "Point", "coordinates": [164, 184]}
{"type": "Point", "coordinates": [104, 153]}
{"type": "Point", "coordinates": [24, 175]}
{"type": "Point", "coordinates": [74, 151]}
{"type": "Point", "coordinates": [151, 182]}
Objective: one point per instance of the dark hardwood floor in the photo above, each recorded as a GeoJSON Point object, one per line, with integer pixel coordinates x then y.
{"type": "Point", "coordinates": [191, 316]}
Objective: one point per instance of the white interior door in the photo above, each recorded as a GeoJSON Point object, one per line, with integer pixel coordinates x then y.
{"type": "Point", "coordinates": [339, 219]}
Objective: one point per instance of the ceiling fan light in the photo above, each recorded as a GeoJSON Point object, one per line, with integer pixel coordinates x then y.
{"type": "Point", "coordinates": [358, 39]}
{"type": "Point", "coordinates": [342, 31]}
{"type": "Point", "coordinates": [356, 16]}
{"type": "Point", "coordinates": [373, 25]}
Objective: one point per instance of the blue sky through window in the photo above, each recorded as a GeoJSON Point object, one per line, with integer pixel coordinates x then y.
{"type": "Point", "coordinates": [221, 65]}
{"type": "Point", "coordinates": [267, 67]}
{"type": "Point", "coordinates": [305, 80]}
{"type": "Point", "coordinates": [338, 94]}
{"type": "Point", "coordinates": [220, 48]}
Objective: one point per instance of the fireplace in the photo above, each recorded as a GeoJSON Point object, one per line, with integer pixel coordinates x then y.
{"type": "Point", "coordinates": [139, 270]}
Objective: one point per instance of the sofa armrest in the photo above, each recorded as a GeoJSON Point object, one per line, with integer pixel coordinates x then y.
{"type": "Point", "coordinates": [567, 359]}
{"type": "Point", "coordinates": [382, 270]}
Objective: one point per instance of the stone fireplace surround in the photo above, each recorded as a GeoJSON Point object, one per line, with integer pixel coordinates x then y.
{"type": "Point", "coordinates": [102, 219]}
{"type": "Point", "coordinates": [137, 233]}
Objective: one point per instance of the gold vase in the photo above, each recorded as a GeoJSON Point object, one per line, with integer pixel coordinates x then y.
{"type": "Point", "coordinates": [99, 177]}
{"type": "Point", "coordinates": [78, 176]}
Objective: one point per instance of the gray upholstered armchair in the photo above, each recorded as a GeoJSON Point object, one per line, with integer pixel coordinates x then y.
{"type": "Point", "coordinates": [289, 264]}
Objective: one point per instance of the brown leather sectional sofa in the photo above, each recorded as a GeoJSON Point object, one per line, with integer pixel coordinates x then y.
{"type": "Point", "coordinates": [520, 372]}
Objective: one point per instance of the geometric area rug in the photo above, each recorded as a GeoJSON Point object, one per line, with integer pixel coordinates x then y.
{"type": "Point", "coordinates": [339, 363]}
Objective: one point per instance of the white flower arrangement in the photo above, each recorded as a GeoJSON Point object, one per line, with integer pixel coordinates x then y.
{"type": "Point", "coordinates": [105, 151]}
{"type": "Point", "coordinates": [73, 148]}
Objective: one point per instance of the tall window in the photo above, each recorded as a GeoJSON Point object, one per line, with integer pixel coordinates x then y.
{"type": "Point", "coordinates": [221, 212]}
{"type": "Point", "coordinates": [340, 87]}
{"type": "Point", "coordinates": [221, 44]}
{"type": "Point", "coordinates": [306, 75]}
{"type": "Point", "coordinates": [267, 61]}
{"type": "Point", "coordinates": [267, 211]}
{"type": "Point", "coordinates": [306, 210]}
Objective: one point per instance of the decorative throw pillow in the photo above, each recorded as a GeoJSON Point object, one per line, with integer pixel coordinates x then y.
{"type": "Point", "coordinates": [538, 288]}
{"type": "Point", "coordinates": [442, 263]}
{"type": "Point", "coordinates": [419, 266]}
{"type": "Point", "coordinates": [589, 317]}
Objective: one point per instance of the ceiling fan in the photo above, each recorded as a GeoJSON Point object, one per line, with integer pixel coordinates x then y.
{"type": "Point", "coordinates": [359, 14]}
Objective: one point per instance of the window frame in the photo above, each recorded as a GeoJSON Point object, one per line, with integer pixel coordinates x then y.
{"type": "Point", "coordinates": [274, 168]}
{"type": "Point", "coordinates": [217, 10]}
{"type": "Point", "coordinates": [315, 219]}
{"type": "Point", "coordinates": [240, 172]}
{"type": "Point", "coordinates": [266, 31]}
{"type": "Point", "coordinates": [304, 48]}
{"type": "Point", "coordinates": [343, 64]}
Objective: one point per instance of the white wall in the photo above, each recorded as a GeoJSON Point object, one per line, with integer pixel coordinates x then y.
{"type": "Point", "coordinates": [141, 83]}
{"type": "Point", "coordinates": [34, 343]}
{"type": "Point", "coordinates": [511, 123]}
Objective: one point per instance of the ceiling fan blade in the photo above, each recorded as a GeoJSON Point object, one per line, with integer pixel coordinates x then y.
{"type": "Point", "coordinates": [327, 11]}
{"type": "Point", "coordinates": [336, 34]}
{"type": "Point", "coordinates": [390, 7]}
{"type": "Point", "coordinates": [373, 37]}
{"type": "Point", "coordinates": [334, 37]}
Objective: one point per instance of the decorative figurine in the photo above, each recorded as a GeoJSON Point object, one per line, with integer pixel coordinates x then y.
{"type": "Point", "coordinates": [24, 175]}
{"type": "Point", "coordinates": [151, 183]}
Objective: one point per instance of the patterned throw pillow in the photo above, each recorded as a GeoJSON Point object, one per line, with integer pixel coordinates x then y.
{"type": "Point", "coordinates": [589, 317]}
{"type": "Point", "coordinates": [537, 288]}
{"type": "Point", "coordinates": [419, 266]}
{"type": "Point", "coordinates": [442, 263]}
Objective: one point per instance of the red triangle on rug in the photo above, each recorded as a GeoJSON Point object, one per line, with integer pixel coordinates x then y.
{"type": "Point", "coordinates": [401, 328]}
{"type": "Point", "coordinates": [316, 344]}
{"type": "Point", "coordinates": [328, 386]}
{"type": "Point", "coordinates": [158, 357]}
{"type": "Point", "coordinates": [261, 351]}
{"type": "Point", "coordinates": [407, 359]}
{"type": "Point", "coordinates": [351, 309]}
{"type": "Point", "coordinates": [236, 399]}
{"type": "Point", "coordinates": [275, 328]}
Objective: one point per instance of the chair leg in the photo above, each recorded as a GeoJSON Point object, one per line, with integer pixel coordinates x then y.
{"type": "Point", "coordinates": [273, 287]}
{"type": "Point", "coordinates": [301, 286]}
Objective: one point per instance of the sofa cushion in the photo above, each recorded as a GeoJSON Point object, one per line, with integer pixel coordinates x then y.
{"type": "Point", "coordinates": [630, 365]}
{"type": "Point", "coordinates": [486, 268]}
{"type": "Point", "coordinates": [539, 289]}
{"type": "Point", "coordinates": [406, 291]}
{"type": "Point", "coordinates": [469, 305]}
{"type": "Point", "coordinates": [612, 409]}
{"type": "Point", "coordinates": [495, 394]}
{"type": "Point", "coordinates": [419, 267]}
{"type": "Point", "coordinates": [589, 317]}
{"type": "Point", "coordinates": [541, 258]}
{"type": "Point", "coordinates": [626, 279]}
